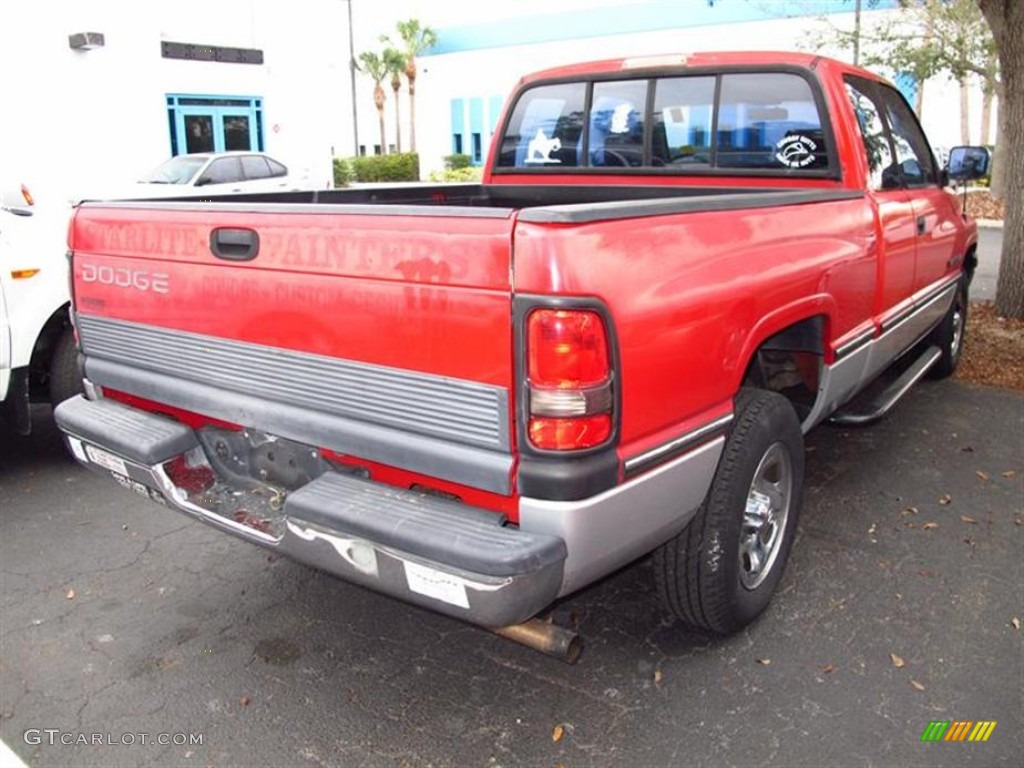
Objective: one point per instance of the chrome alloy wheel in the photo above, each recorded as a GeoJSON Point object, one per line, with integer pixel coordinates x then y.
{"type": "Point", "coordinates": [958, 329]}
{"type": "Point", "coordinates": [764, 518]}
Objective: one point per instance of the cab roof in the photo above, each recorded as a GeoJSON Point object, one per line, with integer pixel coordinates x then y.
{"type": "Point", "coordinates": [680, 62]}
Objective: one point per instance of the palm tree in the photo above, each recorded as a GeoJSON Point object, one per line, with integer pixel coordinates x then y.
{"type": "Point", "coordinates": [394, 63]}
{"type": "Point", "coordinates": [373, 65]}
{"type": "Point", "coordinates": [415, 39]}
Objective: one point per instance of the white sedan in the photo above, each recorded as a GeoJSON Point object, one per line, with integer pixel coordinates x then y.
{"type": "Point", "coordinates": [215, 173]}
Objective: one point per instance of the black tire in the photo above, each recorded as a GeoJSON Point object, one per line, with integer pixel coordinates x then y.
{"type": "Point", "coordinates": [703, 575]}
{"type": "Point", "coordinates": [65, 376]}
{"type": "Point", "coordinates": [949, 335]}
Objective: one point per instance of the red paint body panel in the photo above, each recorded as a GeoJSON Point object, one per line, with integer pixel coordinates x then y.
{"type": "Point", "coordinates": [338, 285]}
{"type": "Point", "coordinates": [693, 295]}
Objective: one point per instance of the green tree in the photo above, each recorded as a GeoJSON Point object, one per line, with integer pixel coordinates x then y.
{"type": "Point", "coordinates": [1006, 21]}
{"type": "Point", "coordinates": [395, 63]}
{"type": "Point", "coordinates": [929, 38]}
{"type": "Point", "coordinates": [415, 39]}
{"type": "Point", "coordinates": [373, 66]}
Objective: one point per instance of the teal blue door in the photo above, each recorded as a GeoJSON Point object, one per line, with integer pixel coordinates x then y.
{"type": "Point", "coordinates": [214, 124]}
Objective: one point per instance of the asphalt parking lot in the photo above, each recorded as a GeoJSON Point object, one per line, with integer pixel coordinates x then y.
{"type": "Point", "coordinates": [118, 617]}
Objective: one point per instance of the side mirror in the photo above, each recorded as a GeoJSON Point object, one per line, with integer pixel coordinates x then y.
{"type": "Point", "coordinates": [18, 201]}
{"type": "Point", "coordinates": [968, 163]}
{"type": "Point", "coordinates": [17, 210]}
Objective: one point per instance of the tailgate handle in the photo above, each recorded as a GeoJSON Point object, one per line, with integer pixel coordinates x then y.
{"type": "Point", "coordinates": [235, 244]}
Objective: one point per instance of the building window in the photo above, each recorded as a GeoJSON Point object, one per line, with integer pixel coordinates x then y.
{"type": "Point", "coordinates": [376, 149]}
{"type": "Point", "coordinates": [362, 150]}
{"type": "Point", "coordinates": [478, 149]}
{"type": "Point", "coordinates": [214, 123]}
{"type": "Point", "coordinates": [457, 143]}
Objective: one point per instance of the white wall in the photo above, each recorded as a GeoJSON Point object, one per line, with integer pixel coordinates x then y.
{"type": "Point", "coordinates": [81, 123]}
{"type": "Point", "coordinates": [86, 122]}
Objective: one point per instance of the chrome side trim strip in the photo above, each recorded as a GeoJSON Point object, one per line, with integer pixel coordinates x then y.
{"type": "Point", "coordinates": [613, 528]}
{"type": "Point", "coordinates": [897, 339]}
{"type": "Point", "coordinates": [855, 343]}
{"type": "Point", "coordinates": [637, 464]}
{"type": "Point", "coordinates": [892, 322]}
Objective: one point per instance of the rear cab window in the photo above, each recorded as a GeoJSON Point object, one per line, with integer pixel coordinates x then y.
{"type": "Point", "coordinates": [728, 123]}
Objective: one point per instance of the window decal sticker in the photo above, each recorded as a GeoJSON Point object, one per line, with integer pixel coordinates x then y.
{"type": "Point", "coordinates": [796, 151]}
{"type": "Point", "coordinates": [541, 147]}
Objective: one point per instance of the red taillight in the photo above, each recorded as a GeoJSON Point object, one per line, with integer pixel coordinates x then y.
{"type": "Point", "coordinates": [568, 349]}
{"type": "Point", "coordinates": [569, 379]}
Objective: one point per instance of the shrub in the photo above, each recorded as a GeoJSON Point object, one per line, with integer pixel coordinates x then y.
{"type": "Point", "coordinates": [457, 175]}
{"type": "Point", "coordinates": [457, 161]}
{"type": "Point", "coordinates": [344, 174]}
{"type": "Point", "coordinates": [396, 167]}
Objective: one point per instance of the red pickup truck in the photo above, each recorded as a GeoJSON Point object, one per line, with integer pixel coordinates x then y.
{"type": "Point", "coordinates": [480, 398]}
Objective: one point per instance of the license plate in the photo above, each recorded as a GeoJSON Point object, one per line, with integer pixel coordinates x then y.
{"type": "Point", "coordinates": [131, 485]}
{"type": "Point", "coordinates": [106, 459]}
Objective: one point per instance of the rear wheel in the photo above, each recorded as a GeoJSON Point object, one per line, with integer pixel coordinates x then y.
{"type": "Point", "coordinates": [719, 574]}
{"type": "Point", "coordinates": [65, 377]}
{"type": "Point", "coordinates": [950, 333]}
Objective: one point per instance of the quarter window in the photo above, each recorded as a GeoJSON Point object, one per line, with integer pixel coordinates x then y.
{"type": "Point", "coordinates": [882, 172]}
{"type": "Point", "coordinates": [913, 154]}
{"type": "Point", "coordinates": [276, 169]}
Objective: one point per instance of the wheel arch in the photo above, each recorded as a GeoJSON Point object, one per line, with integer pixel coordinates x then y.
{"type": "Point", "coordinates": [45, 343]}
{"type": "Point", "coordinates": [794, 339]}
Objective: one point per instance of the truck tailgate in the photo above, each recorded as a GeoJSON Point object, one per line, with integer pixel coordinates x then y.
{"type": "Point", "coordinates": [381, 333]}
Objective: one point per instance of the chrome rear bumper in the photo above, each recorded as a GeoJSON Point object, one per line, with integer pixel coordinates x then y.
{"type": "Point", "coordinates": [440, 554]}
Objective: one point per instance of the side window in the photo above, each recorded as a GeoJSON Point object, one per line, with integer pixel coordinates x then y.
{"type": "Point", "coordinates": [276, 169]}
{"type": "Point", "coordinates": [546, 128]}
{"type": "Point", "coordinates": [912, 151]}
{"type": "Point", "coordinates": [616, 130]}
{"type": "Point", "coordinates": [681, 122]}
{"type": "Point", "coordinates": [882, 171]}
{"type": "Point", "coordinates": [226, 170]}
{"type": "Point", "coordinates": [769, 120]}
{"type": "Point", "coordinates": [255, 167]}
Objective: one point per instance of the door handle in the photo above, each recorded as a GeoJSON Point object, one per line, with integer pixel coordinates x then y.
{"type": "Point", "coordinates": [922, 225]}
{"type": "Point", "coordinates": [235, 244]}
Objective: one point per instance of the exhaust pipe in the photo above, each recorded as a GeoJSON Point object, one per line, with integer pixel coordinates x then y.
{"type": "Point", "coordinates": [551, 639]}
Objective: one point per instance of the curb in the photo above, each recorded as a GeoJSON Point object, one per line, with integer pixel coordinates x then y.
{"type": "Point", "coordinates": [990, 223]}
